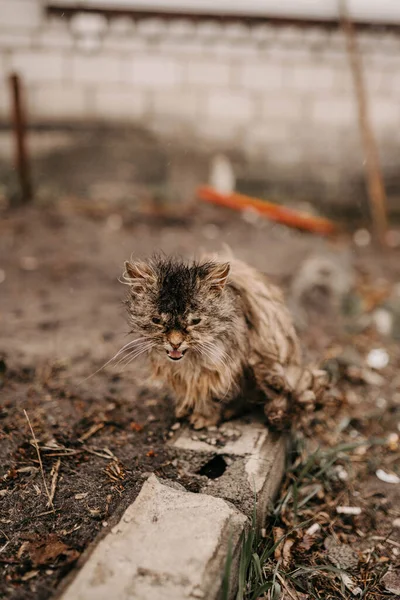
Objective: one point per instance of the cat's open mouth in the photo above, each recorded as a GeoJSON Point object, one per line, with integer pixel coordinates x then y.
{"type": "Point", "coordinates": [175, 354]}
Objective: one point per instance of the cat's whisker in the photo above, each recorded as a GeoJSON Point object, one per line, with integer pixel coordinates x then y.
{"type": "Point", "coordinates": [129, 352]}
{"type": "Point", "coordinates": [133, 352]}
{"type": "Point", "coordinates": [146, 349]}
{"type": "Point", "coordinates": [124, 348]}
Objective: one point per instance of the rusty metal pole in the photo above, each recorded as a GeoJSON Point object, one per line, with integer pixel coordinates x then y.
{"type": "Point", "coordinates": [376, 188]}
{"type": "Point", "coordinates": [19, 128]}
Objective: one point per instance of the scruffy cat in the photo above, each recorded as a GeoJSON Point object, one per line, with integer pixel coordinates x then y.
{"type": "Point", "coordinates": [215, 332]}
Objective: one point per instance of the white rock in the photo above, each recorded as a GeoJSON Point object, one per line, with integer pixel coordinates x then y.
{"type": "Point", "coordinates": [387, 477]}
{"type": "Point", "coordinates": [348, 510]}
{"type": "Point", "coordinates": [378, 358]}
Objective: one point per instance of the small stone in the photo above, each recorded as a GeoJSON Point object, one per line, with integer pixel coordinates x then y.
{"type": "Point", "coordinates": [313, 529]}
{"type": "Point", "coordinates": [383, 320]}
{"type": "Point", "coordinates": [114, 222]}
{"type": "Point", "coordinates": [387, 477]}
{"type": "Point", "coordinates": [348, 510]}
{"type": "Point", "coordinates": [372, 378]}
{"type": "Point", "coordinates": [391, 581]}
{"type": "Point", "coordinates": [393, 441]}
{"type": "Point", "coordinates": [396, 522]}
{"type": "Point", "coordinates": [362, 238]}
{"type": "Point", "coordinates": [211, 231]}
{"type": "Point", "coordinates": [341, 555]}
{"type": "Point", "coordinates": [378, 358]}
{"type": "Point", "coordinates": [381, 402]}
{"type": "Point", "coordinates": [175, 426]}
{"type": "Point", "coordinates": [393, 238]}
{"type": "Point", "coordinates": [29, 263]}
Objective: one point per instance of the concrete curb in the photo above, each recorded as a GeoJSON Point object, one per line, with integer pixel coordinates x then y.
{"type": "Point", "coordinates": [171, 544]}
{"type": "Point", "coordinates": [254, 458]}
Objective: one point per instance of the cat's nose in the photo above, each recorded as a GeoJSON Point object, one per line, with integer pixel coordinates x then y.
{"type": "Point", "coordinates": [175, 339]}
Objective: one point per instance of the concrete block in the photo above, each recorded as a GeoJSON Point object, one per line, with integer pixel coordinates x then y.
{"type": "Point", "coordinates": [124, 44]}
{"type": "Point", "coordinates": [336, 111]}
{"type": "Point", "coordinates": [263, 33]}
{"type": "Point", "coordinates": [16, 39]}
{"type": "Point", "coordinates": [83, 24]}
{"type": "Point", "coordinates": [152, 27]}
{"type": "Point", "coordinates": [207, 30]}
{"type": "Point", "coordinates": [21, 14]}
{"type": "Point", "coordinates": [119, 104]}
{"type": "Point", "coordinates": [218, 132]}
{"type": "Point", "coordinates": [236, 106]}
{"type": "Point", "coordinates": [251, 463]}
{"type": "Point", "coordinates": [179, 104]}
{"type": "Point", "coordinates": [38, 66]}
{"type": "Point", "coordinates": [385, 112]}
{"type": "Point", "coordinates": [55, 35]}
{"type": "Point", "coordinates": [124, 26]}
{"type": "Point", "coordinates": [282, 106]}
{"type": "Point", "coordinates": [181, 28]}
{"type": "Point", "coordinates": [50, 102]}
{"type": "Point", "coordinates": [312, 77]}
{"type": "Point", "coordinates": [99, 68]}
{"type": "Point", "coordinates": [267, 134]}
{"type": "Point", "coordinates": [261, 76]}
{"type": "Point", "coordinates": [207, 72]}
{"type": "Point", "coordinates": [169, 545]}
{"type": "Point", "coordinates": [154, 71]}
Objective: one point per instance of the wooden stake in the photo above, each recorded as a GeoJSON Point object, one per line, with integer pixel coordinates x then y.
{"type": "Point", "coordinates": [376, 189]}
{"type": "Point", "coordinates": [21, 154]}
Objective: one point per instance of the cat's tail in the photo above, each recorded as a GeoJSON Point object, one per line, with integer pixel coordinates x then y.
{"type": "Point", "coordinates": [294, 394]}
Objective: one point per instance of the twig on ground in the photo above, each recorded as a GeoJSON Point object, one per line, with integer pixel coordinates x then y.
{"type": "Point", "coordinates": [35, 443]}
{"type": "Point", "coordinates": [91, 431]}
{"type": "Point", "coordinates": [54, 473]}
{"type": "Point", "coordinates": [291, 592]}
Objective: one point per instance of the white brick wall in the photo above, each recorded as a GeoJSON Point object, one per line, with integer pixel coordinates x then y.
{"type": "Point", "coordinates": [120, 104]}
{"type": "Point", "coordinates": [39, 66]}
{"type": "Point", "coordinates": [282, 94]}
{"type": "Point", "coordinates": [50, 101]}
{"type": "Point", "coordinates": [262, 75]}
{"type": "Point", "coordinates": [100, 69]}
{"type": "Point", "coordinates": [207, 73]}
{"type": "Point", "coordinates": [231, 105]}
{"type": "Point", "coordinates": [20, 14]}
{"type": "Point", "coordinates": [181, 105]}
{"type": "Point", "coordinates": [154, 71]}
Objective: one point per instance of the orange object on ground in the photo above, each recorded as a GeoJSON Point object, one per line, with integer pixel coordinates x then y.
{"type": "Point", "coordinates": [275, 212]}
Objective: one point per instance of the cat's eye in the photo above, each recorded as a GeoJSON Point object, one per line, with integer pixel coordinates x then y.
{"type": "Point", "coordinates": [156, 320]}
{"type": "Point", "coordinates": [195, 321]}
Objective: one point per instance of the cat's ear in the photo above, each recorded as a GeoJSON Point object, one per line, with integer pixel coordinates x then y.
{"type": "Point", "coordinates": [218, 275]}
{"type": "Point", "coordinates": [138, 272]}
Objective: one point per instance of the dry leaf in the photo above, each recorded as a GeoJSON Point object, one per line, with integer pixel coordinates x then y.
{"type": "Point", "coordinates": [278, 533]}
{"type": "Point", "coordinates": [287, 551]}
{"type": "Point", "coordinates": [48, 550]}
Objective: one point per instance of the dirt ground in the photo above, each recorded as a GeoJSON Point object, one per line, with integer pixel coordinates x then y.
{"type": "Point", "coordinates": [61, 319]}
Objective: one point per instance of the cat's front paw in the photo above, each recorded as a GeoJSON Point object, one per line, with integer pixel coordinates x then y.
{"type": "Point", "coordinates": [201, 421]}
{"type": "Point", "coordinates": [181, 411]}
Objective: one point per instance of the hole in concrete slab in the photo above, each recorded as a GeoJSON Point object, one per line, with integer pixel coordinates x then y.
{"type": "Point", "coordinates": [214, 468]}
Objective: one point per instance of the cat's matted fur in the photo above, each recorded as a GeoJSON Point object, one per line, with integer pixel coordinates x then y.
{"type": "Point", "coordinates": [214, 330]}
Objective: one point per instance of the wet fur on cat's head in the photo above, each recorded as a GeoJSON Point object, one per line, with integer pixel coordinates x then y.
{"type": "Point", "coordinates": [179, 308]}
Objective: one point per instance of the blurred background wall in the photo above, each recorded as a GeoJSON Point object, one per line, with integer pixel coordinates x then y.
{"type": "Point", "coordinates": [272, 87]}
